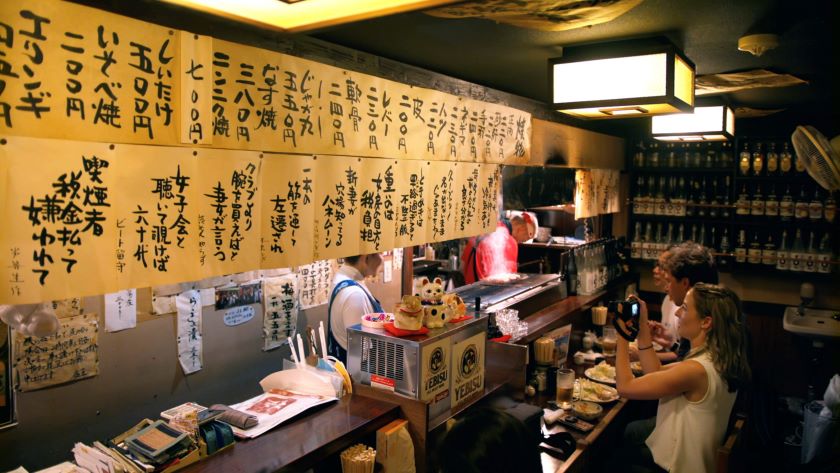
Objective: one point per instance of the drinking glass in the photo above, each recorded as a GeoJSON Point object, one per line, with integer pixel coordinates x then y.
{"type": "Point", "coordinates": [609, 341]}
{"type": "Point", "coordinates": [565, 388]}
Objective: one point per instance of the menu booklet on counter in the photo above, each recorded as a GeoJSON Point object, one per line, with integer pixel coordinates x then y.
{"type": "Point", "coordinates": [275, 407]}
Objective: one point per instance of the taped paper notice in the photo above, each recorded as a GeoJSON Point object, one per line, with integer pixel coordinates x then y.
{"type": "Point", "coordinates": [190, 352]}
{"type": "Point", "coordinates": [163, 305]}
{"type": "Point", "coordinates": [121, 310]}
{"type": "Point", "coordinates": [69, 355]}
{"type": "Point", "coordinates": [281, 310]}
{"type": "Point", "coordinates": [315, 281]}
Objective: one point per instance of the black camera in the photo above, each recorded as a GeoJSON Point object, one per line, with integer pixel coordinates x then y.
{"type": "Point", "coordinates": [628, 312]}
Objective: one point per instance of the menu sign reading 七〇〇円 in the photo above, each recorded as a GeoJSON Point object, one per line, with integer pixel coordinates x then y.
{"type": "Point", "coordinates": [377, 164]}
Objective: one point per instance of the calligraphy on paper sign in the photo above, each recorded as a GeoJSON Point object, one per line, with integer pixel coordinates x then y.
{"type": "Point", "coordinates": [281, 310]}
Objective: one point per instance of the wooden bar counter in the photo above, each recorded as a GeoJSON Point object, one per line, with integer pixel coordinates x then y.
{"type": "Point", "coordinates": [306, 440]}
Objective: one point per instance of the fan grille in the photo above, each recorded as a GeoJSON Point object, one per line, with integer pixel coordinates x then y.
{"type": "Point", "coordinates": [821, 162]}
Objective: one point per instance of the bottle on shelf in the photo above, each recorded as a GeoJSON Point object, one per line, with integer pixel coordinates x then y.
{"type": "Point", "coordinates": [768, 253]}
{"type": "Point", "coordinates": [787, 206]}
{"type": "Point", "coordinates": [800, 206]}
{"type": "Point", "coordinates": [639, 156]}
{"type": "Point", "coordinates": [671, 160]}
{"type": "Point", "coordinates": [694, 233]}
{"type": "Point", "coordinates": [783, 253]}
{"type": "Point", "coordinates": [811, 255]}
{"type": "Point", "coordinates": [815, 208]}
{"type": "Point", "coordinates": [647, 243]}
{"type": "Point", "coordinates": [723, 198]}
{"type": "Point", "coordinates": [680, 197]}
{"type": "Point", "coordinates": [830, 209]}
{"type": "Point", "coordinates": [700, 211]}
{"type": "Point", "coordinates": [653, 155]}
{"type": "Point", "coordinates": [713, 241]}
{"type": "Point", "coordinates": [754, 252]}
{"type": "Point", "coordinates": [757, 203]}
{"type": "Point", "coordinates": [660, 197]}
{"type": "Point", "coordinates": [772, 160]}
{"type": "Point", "coordinates": [638, 198]}
{"type": "Point", "coordinates": [690, 200]}
{"type": "Point", "coordinates": [636, 245]}
{"type": "Point", "coordinates": [771, 205]}
{"type": "Point", "coordinates": [711, 156]}
{"type": "Point", "coordinates": [797, 253]}
{"type": "Point", "coordinates": [670, 194]}
{"type": "Point", "coordinates": [650, 200]}
{"type": "Point", "coordinates": [824, 255]}
{"type": "Point", "coordinates": [741, 247]}
{"type": "Point", "coordinates": [696, 156]}
{"type": "Point", "coordinates": [714, 210]}
{"type": "Point", "coordinates": [684, 160]}
{"type": "Point", "coordinates": [757, 161]}
{"type": "Point", "coordinates": [726, 155]}
{"type": "Point", "coordinates": [785, 160]}
{"type": "Point", "coordinates": [669, 237]}
{"type": "Point", "coordinates": [798, 163]}
{"type": "Point", "coordinates": [724, 249]}
{"type": "Point", "coordinates": [702, 238]}
{"type": "Point", "coordinates": [744, 160]}
{"type": "Point", "coordinates": [680, 234]}
{"type": "Point", "coordinates": [742, 205]}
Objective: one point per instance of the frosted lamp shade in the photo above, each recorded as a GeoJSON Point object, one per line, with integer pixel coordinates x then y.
{"type": "Point", "coordinates": [716, 123]}
{"type": "Point", "coordinates": [618, 80]}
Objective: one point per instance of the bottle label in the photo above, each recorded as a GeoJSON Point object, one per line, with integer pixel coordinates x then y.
{"type": "Point", "coordinates": [757, 207]}
{"type": "Point", "coordinates": [772, 164]}
{"type": "Point", "coordinates": [810, 263]}
{"type": "Point", "coordinates": [785, 164]}
{"type": "Point", "coordinates": [771, 208]}
{"type": "Point", "coordinates": [795, 262]}
{"type": "Point", "coordinates": [815, 210]}
{"type": "Point", "coordinates": [830, 212]}
{"type": "Point", "coordinates": [782, 262]}
{"type": "Point", "coordinates": [740, 255]}
{"type": "Point", "coordinates": [744, 165]}
{"type": "Point", "coordinates": [768, 257]}
{"type": "Point", "coordinates": [636, 249]}
{"type": "Point", "coordinates": [801, 210]}
{"type": "Point", "coordinates": [786, 208]}
{"type": "Point", "coordinates": [754, 255]}
{"type": "Point", "coordinates": [742, 207]}
{"type": "Point", "coordinates": [824, 263]}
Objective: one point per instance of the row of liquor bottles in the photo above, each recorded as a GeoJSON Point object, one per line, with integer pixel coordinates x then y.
{"type": "Point", "coordinates": [653, 155]}
{"type": "Point", "coordinates": [711, 197]}
{"type": "Point", "coordinates": [786, 251]}
{"type": "Point", "coordinates": [754, 159]}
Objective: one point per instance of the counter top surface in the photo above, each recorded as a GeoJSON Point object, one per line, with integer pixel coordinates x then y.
{"type": "Point", "coordinates": [305, 440]}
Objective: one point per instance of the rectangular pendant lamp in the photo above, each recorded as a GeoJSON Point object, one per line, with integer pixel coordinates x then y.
{"type": "Point", "coordinates": [715, 123]}
{"type": "Point", "coordinates": [294, 16]}
{"type": "Point", "coordinates": [622, 79]}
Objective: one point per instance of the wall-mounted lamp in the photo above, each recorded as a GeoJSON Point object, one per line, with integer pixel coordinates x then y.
{"type": "Point", "coordinates": [622, 79]}
{"type": "Point", "coordinates": [302, 15]}
{"type": "Point", "coordinates": [716, 123]}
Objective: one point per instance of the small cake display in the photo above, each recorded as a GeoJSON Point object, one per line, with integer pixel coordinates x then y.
{"type": "Point", "coordinates": [436, 313]}
{"type": "Point", "coordinates": [409, 313]}
{"type": "Point", "coordinates": [457, 308]}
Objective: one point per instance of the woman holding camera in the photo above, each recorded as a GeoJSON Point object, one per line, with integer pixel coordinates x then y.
{"type": "Point", "coordinates": [695, 395]}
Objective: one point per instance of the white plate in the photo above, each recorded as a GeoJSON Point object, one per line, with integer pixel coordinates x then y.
{"type": "Point", "coordinates": [612, 398]}
{"type": "Point", "coordinates": [590, 374]}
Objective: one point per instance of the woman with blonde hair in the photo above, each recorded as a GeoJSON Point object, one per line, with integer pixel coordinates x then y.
{"type": "Point", "coordinates": [695, 395]}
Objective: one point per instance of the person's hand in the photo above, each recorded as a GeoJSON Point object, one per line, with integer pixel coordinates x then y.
{"type": "Point", "coordinates": [659, 334]}
{"type": "Point", "coordinates": [643, 310]}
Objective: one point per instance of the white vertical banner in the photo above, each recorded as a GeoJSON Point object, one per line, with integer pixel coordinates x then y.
{"type": "Point", "coordinates": [281, 310]}
{"type": "Point", "coordinates": [188, 305]}
{"type": "Point", "coordinates": [121, 310]}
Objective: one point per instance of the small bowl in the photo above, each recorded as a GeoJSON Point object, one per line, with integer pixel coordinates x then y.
{"type": "Point", "coordinates": [587, 410]}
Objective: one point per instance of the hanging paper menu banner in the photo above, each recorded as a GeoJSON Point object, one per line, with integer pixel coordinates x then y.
{"type": "Point", "coordinates": [337, 207]}
{"type": "Point", "coordinates": [441, 211]}
{"type": "Point", "coordinates": [58, 215]}
{"type": "Point", "coordinates": [156, 206]}
{"type": "Point", "coordinates": [412, 201]}
{"type": "Point", "coordinates": [288, 203]}
{"type": "Point", "coordinates": [229, 227]}
{"type": "Point", "coordinates": [100, 76]}
{"type": "Point", "coordinates": [380, 184]}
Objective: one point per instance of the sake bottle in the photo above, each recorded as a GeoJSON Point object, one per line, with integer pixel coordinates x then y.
{"type": "Point", "coordinates": [785, 159]}
{"type": "Point", "coordinates": [757, 161]}
{"type": "Point", "coordinates": [797, 252]}
{"type": "Point", "coordinates": [768, 253]}
{"type": "Point", "coordinates": [744, 160]}
{"type": "Point", "coordinates": [815, 208]}
{"type": "Point", "coordinates": [741, 247]}
{"type": "Point", "coordinates": [754, 252]}
{"type": "Point", "coordinates": [786, 206]}
{"type": "Point", "coordinates": [783, 254]}
{"type": "Point", "coordinates": [771, 205]}
{"type": "Point", "coordinates": [800, 206]}
{"type": "Point", "coordinates": [824, 255]}
{"type": "Point", "coordinates": [757, 204]}
{"type": "Point", "coordinates": [830, 209]}
{"type": "Point", "coordinates": [772, 160]}
{"type": "Point", "coordinates": [811, 255]}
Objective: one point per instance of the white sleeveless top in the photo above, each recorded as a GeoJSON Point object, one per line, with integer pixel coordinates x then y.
{"type": "Point", "coordinates": [687, 434]}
